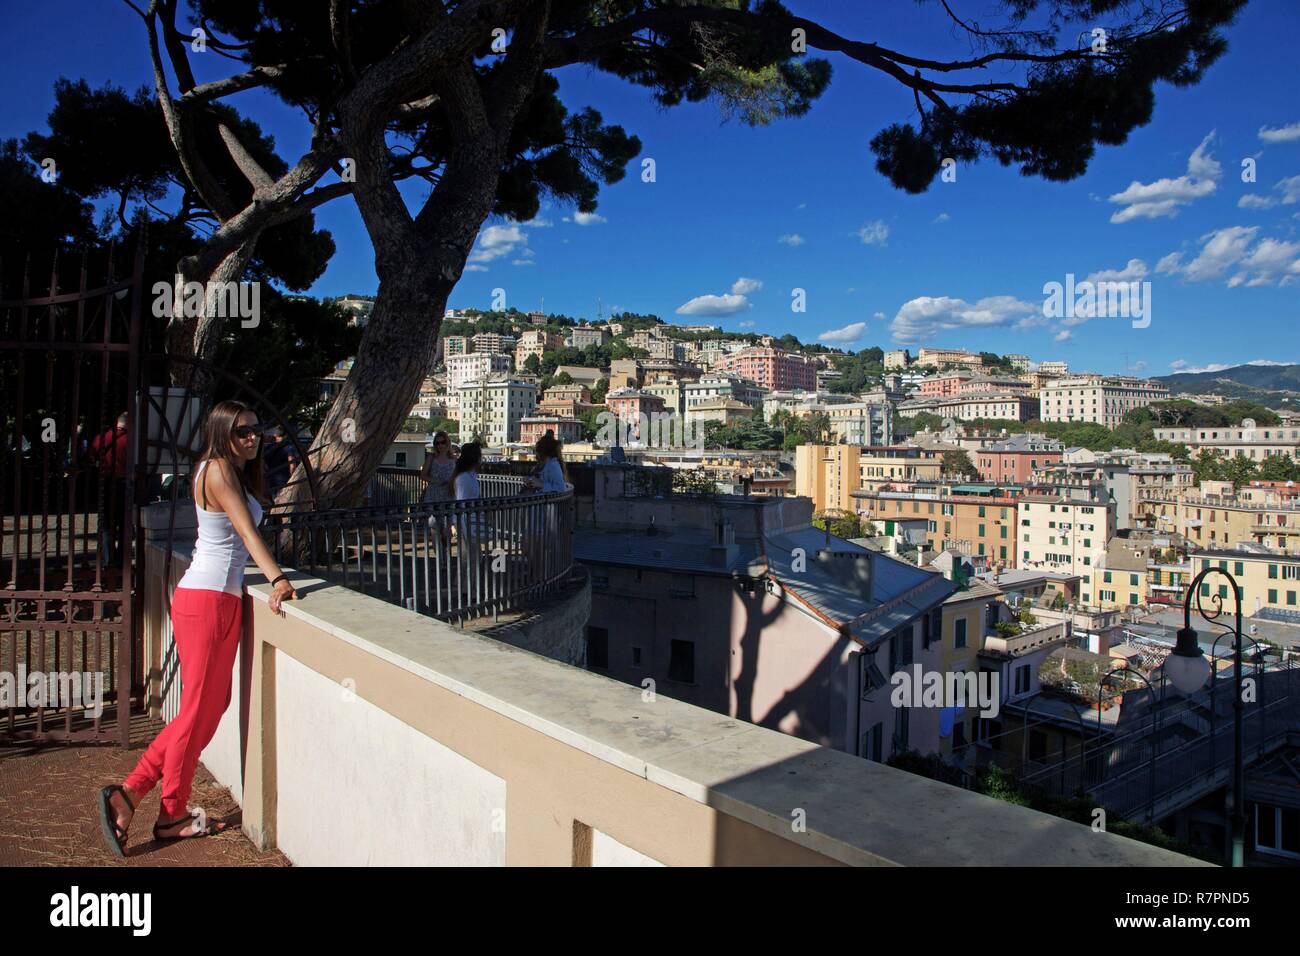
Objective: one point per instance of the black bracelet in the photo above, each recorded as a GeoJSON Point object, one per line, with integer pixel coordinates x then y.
{"type": "Point", "coordinates": [282, 577]}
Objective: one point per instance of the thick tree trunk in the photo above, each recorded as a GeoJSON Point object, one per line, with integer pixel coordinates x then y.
{"type": "Point", "coordinates": [394, 357]}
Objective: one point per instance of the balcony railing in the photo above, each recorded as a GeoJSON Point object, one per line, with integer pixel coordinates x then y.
{"type": "Point", "coordinates": [454, 560]}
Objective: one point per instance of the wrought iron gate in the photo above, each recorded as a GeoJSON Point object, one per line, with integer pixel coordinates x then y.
{"type": "Point", "coordinates": [68, 364]}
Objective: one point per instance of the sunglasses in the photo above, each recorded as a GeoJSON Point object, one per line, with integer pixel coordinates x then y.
{"type": "Point", "coordinates": [248, 431]}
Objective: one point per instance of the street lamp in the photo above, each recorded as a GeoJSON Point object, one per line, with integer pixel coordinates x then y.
{"type": "Point", "coordinates": [1188, 669]}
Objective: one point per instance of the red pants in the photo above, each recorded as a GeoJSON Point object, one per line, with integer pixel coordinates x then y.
{"type": "Point", "coordinates": [206, 627]}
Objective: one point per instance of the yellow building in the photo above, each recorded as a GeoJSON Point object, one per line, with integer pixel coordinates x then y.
{"type": "Point", "coordinates": [969, 524]}
{"type": "Point", "coordinates": [1270, 583]}
{"type": "Point", "coordinates": [829, 474]}
{"type": "Point", "coordinates": [1213, 516]}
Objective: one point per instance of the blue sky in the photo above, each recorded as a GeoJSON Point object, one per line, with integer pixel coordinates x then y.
{"type": "Point", "coordinates": [962, 265]}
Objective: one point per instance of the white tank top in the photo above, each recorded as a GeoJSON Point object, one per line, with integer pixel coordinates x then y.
{"type": "Point", "coordinates": [219, 553]}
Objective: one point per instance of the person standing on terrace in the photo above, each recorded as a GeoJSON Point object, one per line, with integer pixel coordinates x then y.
{"type": "Point", "coordinates": [549, 476]}
{"type": "Point", "coordinates": [438, 469]}
{"type": "Point", "coordinates": [206, 613]}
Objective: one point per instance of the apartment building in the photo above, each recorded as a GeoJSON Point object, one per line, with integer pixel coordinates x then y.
{"type": "Point", "coordinates": [993, 405]}
{"type": "Point", "coordinates": [535, 342]}
{"type": "Point", "coordinates": [1015, 459]}
{"type": "Point", "coordinates": [644, 338]}
{"type": "Point", "coordinates": [633, 408]}
{"type": "Point", "coordinates": [978, 384]}
{"type": "Point", "coordinates": [801, 403]}
{"type": "Point", "coordinates": [1054, 369]}
{"type": "Point", "coordinates": [463, 369]}
{"type": "Point", "coordinates": [772, 368]}
{"type": "Point", "coordinates": [1063, 534]}
{"type": "Point", "coordinates": [455, 345]}
{"type": "Point", "coordinates": [942, 357]}
{"type": "Point", "coordinates": [747, 610]}
{"type": "Point", "coordinates": [830, 474]}
{"type": "Point", "coordinates": [1102, 400]}
{"type": "Point", "coordinates": [898, 358]}
{"type": "Point", "coordinates": [1255, 442]}
{"type": "Point", "coordinates": [1105, 478]}
{"type": "Point", "coordinates": [724, 411]}
{"type": "Point", "coordinates": [493, 342]}
{"type": "Point", "coordinates": [969, 523]}
{"type": "Point", "coordinates": [1019, 362]}
{"type": "Point", "coordinates": [716, 385]}
{"type": "Point", "coordinates": [1269, 581]}
{"type": "Point", "coordinates": [671, 390]}
{"type": "Point", "coordinates": [581, 336]}
{"type": "Point", "coordinates": [1121, 578]}
{"type": "Point", "coordinates": [1214, 516]}
{"type": "Point", "coordinates": [861, 423]}
{"type": "Point", "coordinates": [533, 427]}
{"type": "Point", "coordinates": [946, 384]}
{"type": "Point", "coordinates": [495, 408]}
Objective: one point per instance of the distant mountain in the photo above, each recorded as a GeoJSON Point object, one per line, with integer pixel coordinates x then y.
{"type": "Point", "coordinates": [1240, 381]}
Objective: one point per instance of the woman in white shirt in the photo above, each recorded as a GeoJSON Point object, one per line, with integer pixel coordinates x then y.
{"type": "Point", "coordinates": [550, 471]}
{"type": "Point", "coordinates": [206, 615]}
{"type": "Point", "coordinates": [464, 477]}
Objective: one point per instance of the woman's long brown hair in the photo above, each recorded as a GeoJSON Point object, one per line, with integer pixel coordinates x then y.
{"type": "Point", "coordinates": [218, 432]}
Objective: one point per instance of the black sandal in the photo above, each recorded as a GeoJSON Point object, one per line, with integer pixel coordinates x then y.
{"type": "Point", "coordinates": [114, 834]}
{"type": "Point", "coordinates": [211, 829]}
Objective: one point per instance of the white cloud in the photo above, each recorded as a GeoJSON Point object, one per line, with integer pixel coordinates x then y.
{"type": "Point", "coordinates": [1234, 252]}
{"type": "Point", "coordinates": [850, 333]}
{"type": "Point", "coordinates": [540, 222]}
{"type": "Point", "coordinates": [1164, 196]}
{"type": "Point", "coordinates": [474, 268]}
{"type": "Point", "coordinates": [1064, 335]}
{"type": "Point", "coordinates": [743, 286]}
{"type": "Point", "coordinates": [1290, 190]}
{"type": "Point", "coordinates": [496, 242]}
{"type": "Point", "coordinates": [586, 218]}
{"type": "Point", "coordinates": [1290, 195]}
{"type": "Point", "coordinates": [793, 239]}
{"type": "Point", "coordinates": [925, 316]}
{"type": "Point", "coordinates": [880, 316]}
{"type": "Point", "coordinates": [522, 262]}
{"type": "Point", "coordinates": [942, 217]}
{"type": "Point", "coordinates": [747, 324]}
{"type": "Point", "coordinates": [1280, 134]}
{"type": "Point", "coordinates": [1134, 271]}
{"type": "Point", "coordinates": [874, 233]}
{"type": "Point", "coordinates": [714, 305]}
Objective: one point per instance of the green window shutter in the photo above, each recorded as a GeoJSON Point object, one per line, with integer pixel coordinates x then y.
{"type": "Point", "coordinates": [1240, 569]}
{"type": "Point", "coordinates": [1272, 571]}
{"type": "Point", "coordinates": [1272, 595]}
{"type": "Point", "coordinates": [1133, 580]}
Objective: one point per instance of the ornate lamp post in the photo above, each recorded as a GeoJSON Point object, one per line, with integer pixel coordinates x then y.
{"type": "Point", "coordinates": [1188, 669]}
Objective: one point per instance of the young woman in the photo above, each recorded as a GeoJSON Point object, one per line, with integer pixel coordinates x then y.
{"type": "Point", "coordinates": [438, 469]}
{"type": "Point", "coordinates": [206, 615]}
{"type": "Point", "coordinates": [550, 466]}
{"type": "Point", "coordinates": [463, 483]}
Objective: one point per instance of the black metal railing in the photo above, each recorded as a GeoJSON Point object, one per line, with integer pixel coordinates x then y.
{"type": "Point", "coordinates": [454, 560]}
